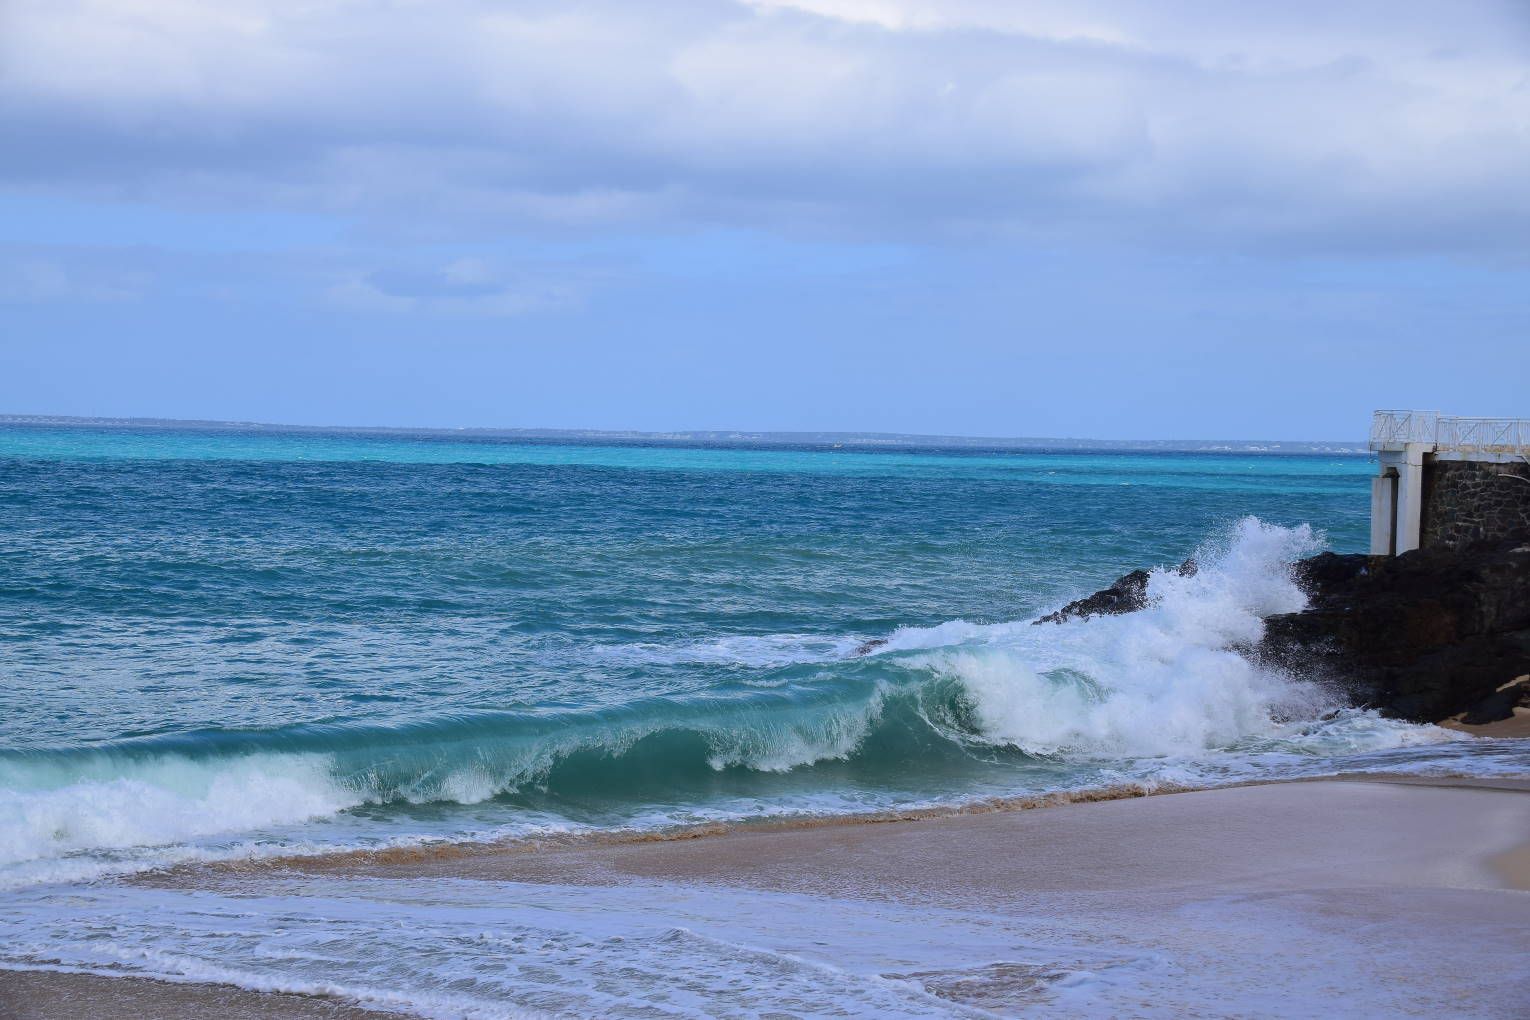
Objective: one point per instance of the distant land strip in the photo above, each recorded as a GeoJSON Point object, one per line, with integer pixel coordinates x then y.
{"type": "Point", "coordinates": [708, 437]}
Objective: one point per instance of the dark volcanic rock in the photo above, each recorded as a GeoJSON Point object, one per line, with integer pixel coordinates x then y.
{"type": "Point", "coordinates": [1422, 636]}
{"type": "Point", "coordinates": [1500, 704]}
{"type": "Point", "coordinates": [1327, 573]}
{"type": "Point", "coordinates": [1127, 595]}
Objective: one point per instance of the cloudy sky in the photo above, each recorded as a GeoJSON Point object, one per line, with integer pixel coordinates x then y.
{"type": "Point", "coordinates": [1090, 218]}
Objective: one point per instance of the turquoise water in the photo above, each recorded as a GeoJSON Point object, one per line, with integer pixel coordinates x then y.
{"type": "Point", "coordinates": [215, 641]}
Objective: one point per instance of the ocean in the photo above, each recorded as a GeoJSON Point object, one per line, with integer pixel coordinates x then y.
{"type": "Point", "coordinates": [242, 644]}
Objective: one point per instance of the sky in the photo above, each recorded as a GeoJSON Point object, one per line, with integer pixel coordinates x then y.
{"type": "Point", "coordinates": [1078, 218]}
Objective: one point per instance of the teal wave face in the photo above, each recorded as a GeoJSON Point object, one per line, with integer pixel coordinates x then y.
{"type": "Point", "coordinates": [465, 758]}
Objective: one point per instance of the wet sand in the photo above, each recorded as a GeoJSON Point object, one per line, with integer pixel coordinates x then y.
{"type": "Point", "coordinates": [1404, 832]}
{"type": "Point", "coordinates": [1422, 886]}
{"type": "Point", "coordinates": [40, 995]}
{"type": "Point", "coordinates": [1517, 725]}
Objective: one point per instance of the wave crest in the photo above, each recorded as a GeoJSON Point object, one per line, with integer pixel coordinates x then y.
{"type": "Point", "coordinates": [1168, 679]}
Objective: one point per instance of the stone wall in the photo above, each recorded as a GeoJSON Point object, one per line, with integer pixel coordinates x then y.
{"type": "Point", "coordinates": [1466, 500]}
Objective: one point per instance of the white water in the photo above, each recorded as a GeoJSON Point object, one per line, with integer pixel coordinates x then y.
{"type": "Point", "coordinates": [166, 800]}
{"type": "Point", "coordinates": [473, 950]}
{"type": "Point", "coordinates": [1164, 681]}
{"type": "Point", "coordinates": [752, 650]}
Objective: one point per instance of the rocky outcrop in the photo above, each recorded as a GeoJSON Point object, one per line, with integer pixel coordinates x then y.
{"type": "Point", "coordinates": [1327, 573]}
{"type": "Point", "coordinates": [1424, 636]}
{"type": "Point", "coordinates": [1127, 595]}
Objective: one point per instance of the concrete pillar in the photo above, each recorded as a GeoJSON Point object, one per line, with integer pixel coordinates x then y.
{"type": "Point", "coordinates": [1383, 512]}
{"type": "Point", "coordinates": [1410, 496]}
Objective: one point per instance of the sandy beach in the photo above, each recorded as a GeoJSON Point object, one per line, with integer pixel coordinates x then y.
{"type": "Point", "coordinates": [34, 994]}
{"type": "Point", "coordinates": [1394, 897]}
{"type": "Point", "coordinates": [1516, 725]}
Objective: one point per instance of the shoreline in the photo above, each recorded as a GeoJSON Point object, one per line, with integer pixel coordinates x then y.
{"type": "Point", "coordinates": [1418, 862]}
{"type": "Point", "coordinates": [407, 856]}
{"type": "Point", "coordinates": [534, 861]}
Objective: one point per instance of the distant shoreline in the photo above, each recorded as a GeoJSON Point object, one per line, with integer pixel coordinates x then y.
{"type": "Point", "coordinates": [710, 437]}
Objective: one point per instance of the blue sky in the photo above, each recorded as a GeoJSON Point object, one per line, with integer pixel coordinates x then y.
{"type": "Point", "coordinates": [1086, 218]}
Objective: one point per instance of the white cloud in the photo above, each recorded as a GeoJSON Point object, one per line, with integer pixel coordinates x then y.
{"type": "Point", "coordinates": [465, 286]}
{"type": "Point", "coordinates": [414, 281]}
{"type": "Point", "coordinates": [39, 276]}
{"type": "Point", "coordinates": [1359, 125]}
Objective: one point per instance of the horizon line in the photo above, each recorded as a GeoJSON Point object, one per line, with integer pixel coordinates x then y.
{"type": "Point", "coordinates": [693, 435]}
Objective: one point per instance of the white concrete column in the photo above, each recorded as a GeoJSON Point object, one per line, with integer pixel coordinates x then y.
{"type": "Point", "coordinates": [1383, 512]}
{"type": "Point", "coordinates": [1410, 496]}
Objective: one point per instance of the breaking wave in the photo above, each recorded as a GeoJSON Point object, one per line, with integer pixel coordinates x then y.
{"type": "Point", "coordinates": [1167, 680]}
{"type": "Point", "coordinates": [1116, 697]}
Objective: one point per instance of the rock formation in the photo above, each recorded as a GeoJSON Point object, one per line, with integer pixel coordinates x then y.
{"type": "Point", "coordinates": [1423, 636]}
{"type": "Point", "coordinates": [1127, 595]}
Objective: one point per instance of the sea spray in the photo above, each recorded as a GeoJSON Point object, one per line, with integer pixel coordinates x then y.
{"type": "Point", "coordinates": [1168, 679]}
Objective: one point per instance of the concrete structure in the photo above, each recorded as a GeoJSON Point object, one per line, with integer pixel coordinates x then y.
{"type": "Point", "coordinates": [1445, 480]}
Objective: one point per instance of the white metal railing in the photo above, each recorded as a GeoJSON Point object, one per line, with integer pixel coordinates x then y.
{"type": "Point", "coordinates": [1451, 434]}
{"type": "Point", "coordinates": [1393, 428]}
{"type": "Point", "coordinates": [1485, 435]}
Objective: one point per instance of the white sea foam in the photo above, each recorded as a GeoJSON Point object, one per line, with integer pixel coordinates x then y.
{"type": "Point", "coordinates": [1172, 679]}
{"type": "Point", "coordinates": [111, 802]}
{"type": "Point", "coordinates": [823, 733]}
{"type": "Point", "coordinates": [474, 949]}
{"type": "Point", "coordinates": [758, 651]}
